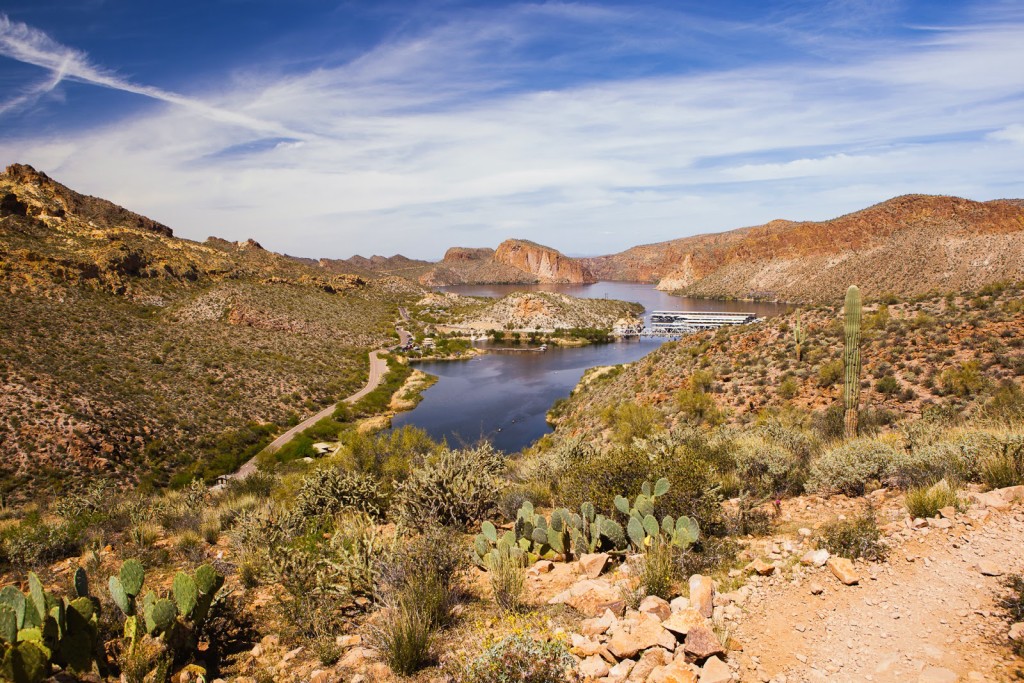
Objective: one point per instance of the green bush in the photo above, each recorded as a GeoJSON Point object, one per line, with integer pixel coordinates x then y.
{"type": "Point", "coordinates": [768, 468]}
{"type": "Point", "coordinates": [888, 385]}
{"type": "Point", "coordinates": [659, 570]}
{"type": "Point", "coordinates": [926, 501]}
{"type": "Point", "coordinates": [33, 542]}
{"type": "Point", "coordinates": [453, 488]}
{"type": "Point", "coordinates": [425, 571]}
{"type": "Point", "coordinates": [964, 381]}
{"type": "Point", "coordinates": [622, 470]}
{"type": "Point", "coordinates": [506, 574]}
{"type": "Point", "coordinates": [852, 467]}
{"type": "Point", "coordinates": [830, 373]}
{"type": "Point", "coordinates": [404, 638]}
{"type": "Point", "coordinates": [388, 456]}
{"type": "Point", "coordinates": [521, 658]}
{"type": "Point", "coordinates": [630, 421]}
{"type": "Point", "coordinates": [854, 538]}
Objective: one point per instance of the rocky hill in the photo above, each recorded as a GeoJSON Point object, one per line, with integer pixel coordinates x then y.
{"type": "Point", "coordinates": [906, 246]}
{"type": "Point", "coordinates": [513, 262]}
{"type": "Point", "coordinates": [126, 351]}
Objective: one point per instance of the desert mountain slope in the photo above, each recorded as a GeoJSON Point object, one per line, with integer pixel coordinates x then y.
{"type": "Point", "coordinates": [906, 246]}
{"type": "Point", "coordinates": [127, 352]}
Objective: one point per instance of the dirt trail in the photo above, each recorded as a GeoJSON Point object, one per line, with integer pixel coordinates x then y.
{"type": "Point", "coordinates": [927, 606]}
{"type": "Point", "coordinates": [378, 368]}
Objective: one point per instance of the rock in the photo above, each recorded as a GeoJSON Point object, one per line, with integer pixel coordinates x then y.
{"type": "Point", "coordinates": [816, 558]}
{"type": "Point", "coordinates": [816, 589]}
{"type": "Point", "coordinates": [682, 622]}
{"type": "Point", "coordinates": [715, 671]}
{"type": "Point", "coordinates": [948, 512]}
{"type": "Point", "coordinates": [356, 657]}
{"type": "Point", "coordinates": [843, 570]}
{"type": "Point", "coordinates": [760, 567]}
{"type": "Point", "coordinates": [542, 567]}
{"type": "Point", "coordinates": [942, 523]}
{"type": "Point", "coordinates": [591, 597]}
{"type": "Point", "coordinates": [593, 564]}
{"type": "Point", "coordinates": [989, 568]}
{"type": "Point", "coordinates": [679, 604]}
{"type": "Point", "coordinates": [345, 642]}
{"type": "Point", "coordinates": [594, 667]}
{"type": "Point", "coordinates": [650, 660]}
{"type": "Point", "coordinates": [656, 606]}
{"type": "Point", "coordinates": [640, 634]}
{"type": "Point", "coordinates": [320, 676]}
{"type": "Point", "coordinates": [702, 594]}
{"type": "Point", "coordinates": [935, 674]}
{"type": "Point", "coordinates": [676, 671]}
{"type": "Point", "coordinates": [598, 625]}
{"type": "Point", "coordinates": [701, 642]}
{"type": "Point", "coordinates": [620, 672]}
{"type": "Point", "coordinates": [1017, 632]}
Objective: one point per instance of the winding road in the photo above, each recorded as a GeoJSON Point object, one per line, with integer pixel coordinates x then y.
{"type": "Point", "coordinates": [378, 368]}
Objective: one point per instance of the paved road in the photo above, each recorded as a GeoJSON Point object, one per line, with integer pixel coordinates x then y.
{"type": "Point", "coordinates": [403, 336]}
{"type": "Point", "coordinates": [378, 368]}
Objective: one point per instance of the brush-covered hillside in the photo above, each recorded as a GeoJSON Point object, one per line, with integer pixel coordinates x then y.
{"type": "Point", "coordinates": [128, 353]}
{"type": "Point", "coordinates": [952, 354]}
{"type": "Point", "coordinates": [906, 246]}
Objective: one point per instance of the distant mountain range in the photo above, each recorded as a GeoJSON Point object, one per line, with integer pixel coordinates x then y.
{"type": "Point", "coordinates": [906, 246]}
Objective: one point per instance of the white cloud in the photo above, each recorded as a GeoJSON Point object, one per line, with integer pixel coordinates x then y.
{"type": "Point", "coordinates": [409, 148]}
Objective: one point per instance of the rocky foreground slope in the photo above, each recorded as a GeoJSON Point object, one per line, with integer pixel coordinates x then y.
{"type": "Point", "coordinates": [905, 246]}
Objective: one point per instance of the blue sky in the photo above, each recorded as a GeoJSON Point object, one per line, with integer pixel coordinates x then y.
{"type": "Point", "coordinates": [334, 128]}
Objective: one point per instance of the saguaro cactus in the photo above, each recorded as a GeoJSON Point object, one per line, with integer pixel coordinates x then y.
{"type": "Point", "coordinates": [799, 336]}
{"type": "Point", "coordinates": [851, 361]}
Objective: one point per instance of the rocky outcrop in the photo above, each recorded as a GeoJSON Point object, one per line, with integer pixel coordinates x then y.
{"type": "Point", "coordinates": [906, 246]}
{"type": "Point", "coordinates": [547, 264]}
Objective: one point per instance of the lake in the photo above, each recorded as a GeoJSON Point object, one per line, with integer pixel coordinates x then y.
{"type": "Point", "coordinates": [504, 397]}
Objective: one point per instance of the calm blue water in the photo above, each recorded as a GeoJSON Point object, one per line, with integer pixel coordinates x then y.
{"type": "Point", "coordinates": [505, 396]}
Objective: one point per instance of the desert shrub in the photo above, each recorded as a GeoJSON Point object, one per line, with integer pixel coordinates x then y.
{"type": "Point", "coordinates": [388, 456]}
{"type": "Point", "coordinates": [658, 570]}
{"type": "Point", "coordinates": [258, 484]}
{"type": "Point", "coordinates": [888, 385]}
{"type": "Point", "coordinates": [521, 658]}
{"type": "Point", "coordinates": [33, 541]}
{"type": "Point", "coordinates": [788, 388]}
{"type": "Point", "coordinates": [964, 381]}
{"type": "Point", "coordinates": [698, 406]}
{"type": "Point", "coordinates": [1007, 403]}
{"type": "Point", "coordinates": [707, 555]}
{"type": "Point", "coordinates": [403, 637]}
{"type": "Point", "coordinates": [926, 501]}
{"type": "Point", "coordinates": [506, 575]}
{"type": "Point", "coordinates": [190, 544]}
{"type": "Point", "coordinates": [329, 490]}
{"type": "Point", "coordinates": [768, 468]}
{"type": "Point", "coordinates": [453, 488]}
{"type": "Point", "coordinates": [1013, 602]}
{"type": "Point", "coordinates": [1001, 471]}
{"type": "Point", "coordinates": [830, 373]}
{"type": "Point", "coordinates": [858, 537]}
{"type": "Point", "coordinates": [425, 571]}
{"type": "Point", "coordinates": [510, 502]}
{"type": "Point", "coordinates": [852, 467]}
{"type": "Point", "coordinates": [630, 421]}
{"type": "Point", "coordinates": [621, 470]}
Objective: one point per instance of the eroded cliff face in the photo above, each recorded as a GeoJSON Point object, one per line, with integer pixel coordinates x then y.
{"type": "Point", "coordinates": [547, 264]}
{"type": "Point", "coordinates": [514, 262]}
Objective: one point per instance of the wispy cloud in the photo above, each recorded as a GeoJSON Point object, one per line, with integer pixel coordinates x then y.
{"type": "Point", "coordinates": [28, 45]}
{"type": "Point", "coordinates": [458, 133]}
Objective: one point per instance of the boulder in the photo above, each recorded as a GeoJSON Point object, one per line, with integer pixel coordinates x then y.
{"type": "Point", "coordinates": [642, 633]}
{"type": "Point", "coordinates": [715, 671]}
{"type": "Point", "coordinates": [989, 568]}
{"type": "Point", "coordinates": [598, 625]}
{"type": "Point", "coordinates": [815, 558]}
{"type": "Point", "coordinates": [594, 667]}
{"type": "Point", "coordinates": [676, 671]}
{"type": "Point", "coordinates": [1017, 632]}
{"type": "Point", "coordinates": [591, 597]}
{"type": "Point", "coordinates": [682, 622]}
{"type": "Point", "coordinates": [679, 604]}
{"type": "Point", "coordinates": [702, 594]}
{"type": "Point", "coordinates": [620, 672]}
{"type": "Point", "coordinates": [760, 567]}
{"type": "Point", "coordinates": [593, 564]}
{"type": "Point", "coordinates": [650, 660]}
{"type": "Point", "coordinates": [701, 642]}
{"type": "Point", "coordinates": [843, 570]}
{"type": "Point", "coordinates": [656, 606]}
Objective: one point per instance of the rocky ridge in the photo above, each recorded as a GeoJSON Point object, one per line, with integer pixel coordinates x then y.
{"type": "Point", "coordinates": [938, 243]}
{"type": "Point", "coordinates": [513, 262]}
